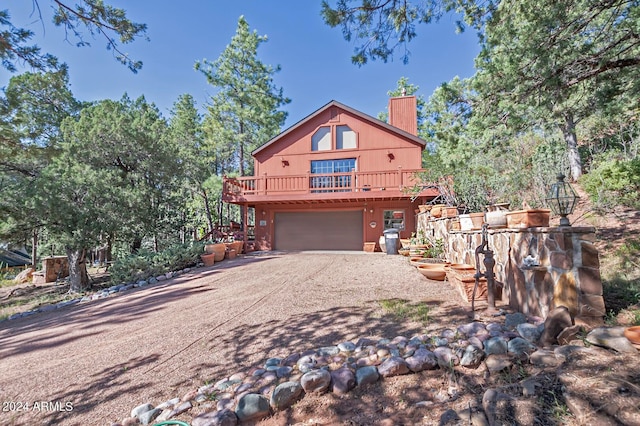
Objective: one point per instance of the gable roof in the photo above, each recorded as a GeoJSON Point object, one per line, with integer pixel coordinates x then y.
{"type": "Point", "coordinates": [361, 115]}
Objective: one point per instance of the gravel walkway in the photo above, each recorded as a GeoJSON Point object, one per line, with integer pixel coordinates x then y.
{"type": "Point", "coordinates": [91, 363]}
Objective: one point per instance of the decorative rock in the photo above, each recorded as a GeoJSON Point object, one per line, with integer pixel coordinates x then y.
{"type": "Point", "coordinates": [343, 381]}
{"type": "Point", "coordinates": [495, 345]}
{"type": "Point", "coordinates": [445, 356]}
{"type": "Point", "coordinates": [569, 334]}
{"type": "Point", "coordinates": [329, 351]}
{"type": "Point", "coordinates": [611, 337]}
{"type": "Point", "coordinates": [130, 421]}
{"type": "Point", "coordinates": [285, 395]}
{"type": "Point", "coordinates": [305, 367]}
{"type": "Point", "coordinates": [291, 360]}
{"type": "Point", "coordinates": [558, 319]}
{"type": "Point", "coordinates": [545, 358]}
{"type": "Point", "coordinates": [472, 357]}
{"type": "Point", "coordinates": [440, 341]}
{"type": "Point", "coordinates": [512, 320]}
{"type": "Point", "coordinates": [152, 280]}
{"type": "Point", "coordinates": [149, 416]}
{"type": "Point", "coordinates": [284, 371]}
{"type": "Point", "coordinates": [225, 404]}
{"type": "Point", "coordinates": [170, 403]}
{"type": "Point", "coordinates": [252, 407]}
{"type": "Point", "coordinates": [496, 363]}
{"type": "Point", "coordinates": [529, 332]}
{"type": "Point", "coordinates": [367, 375]}
{"type": "Point", "coordinates": [347, 347]}
{"type": "Point", "coordinates": [394, 366]}
{"type": "Point", "coordinates": [161, 278]}
{"type": "Point", "coordinates": [520, 346]}
{"type": "Point", "coordinates": [216, 418]}
{"type": "Point", "coordinates": [422, 359]}
{"type": "Point", "coordinates": [471, 329]}
{"type": "Point", "coordinates": [272, 362]}
{"type": "Point", "coordinates": [141, 409]}
{"type": "Point", "coordinates": [316, 381]}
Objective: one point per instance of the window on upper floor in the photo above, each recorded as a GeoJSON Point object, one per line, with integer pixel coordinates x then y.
{"type": "Point", "coordinates": [321, 139]}
{"type": "Point", "coordinates": [345, 138]}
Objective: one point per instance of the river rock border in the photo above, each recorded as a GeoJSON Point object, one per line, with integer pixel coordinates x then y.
{"type": "Point", "coordinates": [280, 382]}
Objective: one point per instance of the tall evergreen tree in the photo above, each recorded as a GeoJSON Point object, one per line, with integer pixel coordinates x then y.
{"type": "Point", "coordinates": [93, 16]}
{"type": "Point", "coordinates": [244, 113]}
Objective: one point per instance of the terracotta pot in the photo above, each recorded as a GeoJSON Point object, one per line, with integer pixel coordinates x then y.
{"type": "Point", "coordinates": [369, 247]}
{"type": "Point", "coordinates": [449, 212]}
{"type": "Point", "coordinates": [433, 271]}
{"type": "Point", "coordinates": [477, 219]}
{"type": "Point", "coordinates": [633, 334]}
{"type": "Point", "coordinates": [436, 210]}
{"type": "Point", "coordinates": [405, 242]}
{"type": "Point", "coordinates": [528, 218]}
{"type": "Point", "coordinates": [208, 259]}
{"type": "Point", "coordinates": [230, 254]}
{"type": "Point", "coordinates": [423, 208]}
{"type": "Point", "coordinates": [403, 251]}
{"type": "Point", "coordinates": [217, 249]}
{"type": "Point", "coordinates": [235, 245]}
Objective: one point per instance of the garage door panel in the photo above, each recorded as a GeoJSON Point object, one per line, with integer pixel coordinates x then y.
{"type": "Point", "coordinates": [332, 230]}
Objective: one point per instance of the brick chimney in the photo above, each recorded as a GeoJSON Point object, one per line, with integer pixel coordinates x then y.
{"type": "Point", "coordinates": [403, 113]}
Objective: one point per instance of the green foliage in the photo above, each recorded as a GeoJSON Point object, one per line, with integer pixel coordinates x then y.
{"type": "Point", "coordinates": [95, 17]}
{"type": "Point", "coordinates": [381, 26]}
{"type": "Point", "coordinates": [244, 113]}
{"type": "Point", "coordinates": [145, 264]}
{"type": "Point", "coordinates": [402, 309]}
{"type": "Point", "coordinates": [614, 181]}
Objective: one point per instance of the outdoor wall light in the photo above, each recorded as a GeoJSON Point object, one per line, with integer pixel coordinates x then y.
{"type": "Point", "coordinates": [285, 163]}
{"type": "Point", "coordinates": [391, 156]}
{"type": "Point", "coordinates": [562, 199]}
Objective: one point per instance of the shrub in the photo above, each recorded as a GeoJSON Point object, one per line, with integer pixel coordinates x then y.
{"type": "Point", "coordinates": [145, 264]}
{"type": "Point", "coordinates": [614, 181]}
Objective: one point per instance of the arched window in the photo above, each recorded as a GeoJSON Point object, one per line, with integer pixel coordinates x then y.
{"type": "Point", "coordinates": [321, 139]}
{"type": "Point", "coordinates": [346, 138]}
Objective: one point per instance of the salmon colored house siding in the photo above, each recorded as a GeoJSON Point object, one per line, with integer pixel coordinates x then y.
{"type": "Point", "coordinates": [264, 235]}
{"type": "Point", "coordinates": [374, 144]}
{"type": "Point", "coordinates": [281, 190]}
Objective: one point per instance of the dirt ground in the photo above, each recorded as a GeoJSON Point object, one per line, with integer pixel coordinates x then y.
{"type": "Point", "coordinates": [152, 344]}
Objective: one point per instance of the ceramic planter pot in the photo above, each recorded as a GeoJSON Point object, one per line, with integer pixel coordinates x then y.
{"type": "Point", "coordinates": [433, 271]}
{"type": "Point", "coordinates": [496, 218]}
{"type": "Point", "coordinates": [633, 334]}
{"type": "Point", "coordinates": [208, 259]}
{"type": "Point", "coordinates": [465, 222]}
{"type": "Point", "coordinates": [477, 219]}
{"type": "Point", "coordinates": [449, 211]}
{"type": "Point", "coordinates": [436, 210]}
{"type": "Point", "coordinates": [530, 218]}
{"type": "Point", "coordinates": [218, 249]}
{"type": "Point", "coordinates": [369, 247]}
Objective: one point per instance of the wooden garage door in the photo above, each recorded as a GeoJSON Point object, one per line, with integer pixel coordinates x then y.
{"type": "Point", "coordinates": [332, 230]}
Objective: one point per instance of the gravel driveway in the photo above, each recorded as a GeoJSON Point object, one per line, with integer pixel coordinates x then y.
{"type": "Point", "coordinates": [92, 363]}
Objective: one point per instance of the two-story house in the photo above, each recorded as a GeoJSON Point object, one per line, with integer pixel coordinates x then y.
{"type": "Point", "coordinates": [334, 180]}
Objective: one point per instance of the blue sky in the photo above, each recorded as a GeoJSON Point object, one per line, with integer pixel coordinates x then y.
{"type": "Point", "coordinates": [315, 59]}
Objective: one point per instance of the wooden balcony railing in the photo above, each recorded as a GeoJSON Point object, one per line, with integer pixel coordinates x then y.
{"type": "Point", "coordinates": [293, 185]}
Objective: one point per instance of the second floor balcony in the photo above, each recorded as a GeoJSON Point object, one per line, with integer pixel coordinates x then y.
{"type": "Point", "coordinates": [391, 184]}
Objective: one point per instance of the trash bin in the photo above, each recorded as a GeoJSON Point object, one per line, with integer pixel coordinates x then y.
{"type": "Point", "coordinates": [391, 240]}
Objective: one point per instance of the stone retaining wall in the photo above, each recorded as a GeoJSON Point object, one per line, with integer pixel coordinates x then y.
{"type": "Point", "coordinates": [538, 268]}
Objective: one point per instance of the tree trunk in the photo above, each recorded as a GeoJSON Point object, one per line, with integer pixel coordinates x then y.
{"type": "Point", "coordinates": [78, 276]}
{"type": "Point", "coordinates": [34, 248]}
{"type": "Point", "coordinates": [569, 133]}
{"type": "Point", "coordinates": [207, 210]}
{"type": "Point", "coordinates": [136, 244]}
{"type": "Point", "coordinates": [241, 148]}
